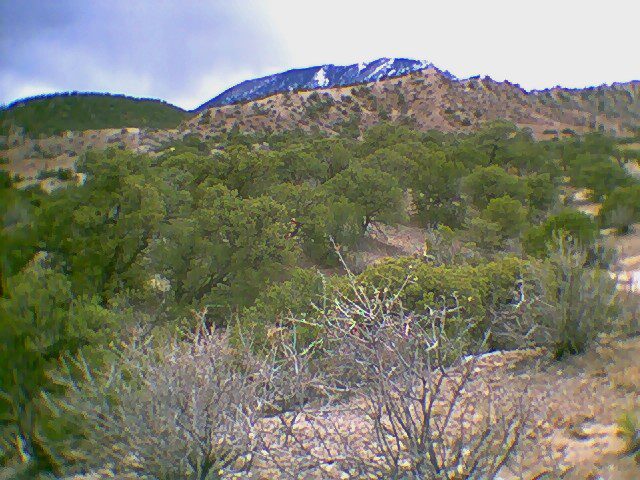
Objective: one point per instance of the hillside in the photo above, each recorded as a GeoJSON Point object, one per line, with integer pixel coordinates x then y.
{"type": "Point", "coordinates": [260, 284]}
{"type": "Point", "coordinates": [399, 91]}
{"type": "Point", "coordinates": [431, 99]}
{"type": "Point", "coordinates": [322, 76]}
{"type": "Point", "coordinates": [53, 114]}
{"type": "Point", "coordinates": [428, 99]}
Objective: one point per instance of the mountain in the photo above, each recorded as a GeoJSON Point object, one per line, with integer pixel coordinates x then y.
{"type": "Point", "coordinates": [323, 76]}
{"type": "Point", "coordinates": [331, 98]}
{"type": "Point", "coordinates": [52, 114]}
{"type": "Point", "coordinates": [431, 99]}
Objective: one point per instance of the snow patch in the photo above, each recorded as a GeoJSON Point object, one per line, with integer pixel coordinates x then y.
{"type": "Point", "coordinates": [382, 68]}
{"type": "Point", "coordinates": [320, 78]}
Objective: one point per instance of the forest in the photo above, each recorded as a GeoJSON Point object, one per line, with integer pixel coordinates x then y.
{"type": "Point", "coordinates": [236, 259]}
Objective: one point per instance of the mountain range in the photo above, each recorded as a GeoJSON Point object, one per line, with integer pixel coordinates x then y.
{"type": "Point", "coordinates": [323, 76]}
{"type": "Point", "coordinates": [331, 98]}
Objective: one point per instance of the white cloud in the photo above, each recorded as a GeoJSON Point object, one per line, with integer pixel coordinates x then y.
{"type": "Point", "coordinates": [537, 44]}
{"type": "Point", "coordinates": [210, 85]}
{"type": "Point", "coordinates": [14, 88]}
{"type": "Point", "coordinates": [189, 52]}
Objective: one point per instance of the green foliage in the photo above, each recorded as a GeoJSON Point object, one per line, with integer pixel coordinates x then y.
{"type": "Point", "coordinates": [50, 115]}
{"type": "Point", "coordinates": [391, 161]}
{"type": "Point", "coordinates": [578, 303]}
{"type": "Point", "coordinates": [249, 172]}
{"type": "Point", "coordinates": [523, 154]}
{"type": "Point", "coordinates": [621, 208]}
{"type": "Point", "coordinates": [629, 428]}
{"type": "Point", "coordinates": [509, 214]}
{"type": "Point", "coordinates": [226, 229]}
{"type": "Point", "coordinates": [63, 174]}
{"type": "Point", "coordinates": [473, 289]}
{"type": "Point", "coordinates": [225, 252]}
{"type": "Point", "coordinates": [18, 235]}
{"type": "Point", "coordinates": [494, 137]}
{"type": "Point", "coordinates": [317, 105]}
{"type": "Point", "coordinates": [41, 321]}
{"type": "Point", "coordinates": [301, 297]}
{"type": "Point", "coordinates": [486, 183]}
{"type": "Point", "coordinates": [599, 174]}
{"type": "Point", "coordinates": [483, 234]}
{"type": "Point", "coordinates": [573, 224]}
{"type": "Point", "coordinates": [298, 164]}
{"type": "Point", "coordinates": [629, 155]}
{"type": "Point", "coordinates": [387, 135]}
{"type": "Point", "coordinates": [317, 217]}
{"type": "Point", "coordinates": [375, 193]}
{"type": "Point", "coordinates": [598, 143]}
{"type": "Point", "coordinates": [99, 232]}
{"type": "Point", "coordinates": [541, 192]}
{"type": "Point", "coordinates": [469, 154]}
{"type": "Point", "coordinates": [435, 182]}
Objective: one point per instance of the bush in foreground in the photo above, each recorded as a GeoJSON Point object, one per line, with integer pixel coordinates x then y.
{"type": "Point", "coordinates": [179, 410]}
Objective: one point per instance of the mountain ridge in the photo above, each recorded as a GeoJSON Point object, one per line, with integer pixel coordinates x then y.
{"type": "Point", "coordinates": [319, 76]}
{"type": "Point", "coordinates": [432, 99]}
{"type": "Point", "coordinates": [395, 90]}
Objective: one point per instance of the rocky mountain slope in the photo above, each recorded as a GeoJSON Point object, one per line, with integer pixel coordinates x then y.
{"type": "Point", "coordinates": [323, 76]}
{"type": "Point", "coordinates": [424, 99]}
{"type": "Point", "coordinates": [432, 99]}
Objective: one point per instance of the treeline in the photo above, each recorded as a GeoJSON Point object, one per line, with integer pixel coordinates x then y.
{"type": "Point", "coordinates": [234, 233]}
{"type": "Point", "coordinates": [53, 114]}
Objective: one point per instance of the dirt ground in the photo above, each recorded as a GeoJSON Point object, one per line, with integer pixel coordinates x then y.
{"type": "Point", "coordinates": [574, 408]}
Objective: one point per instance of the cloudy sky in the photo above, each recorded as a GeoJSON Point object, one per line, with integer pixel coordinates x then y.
{"type": "Point", "coordinates": [188, 51]}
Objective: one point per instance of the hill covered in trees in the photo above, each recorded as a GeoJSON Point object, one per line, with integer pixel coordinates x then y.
{"type": "Point", "coordinates": [172, 314]}
{"type": "Point", "coordinates": [52, 114]}
{"type": "Point", "coordinates": [424, 99]}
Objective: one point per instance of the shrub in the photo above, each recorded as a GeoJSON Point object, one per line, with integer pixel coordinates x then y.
{"type": "Point", "coordinates": [629, 428]}
{"type": "Point", "coordinates": [487, 183]}
{"type": "Point", "coordinates": [570, 224]}
{"type": "Point", "coordinates": [181, 409]}
{"type": "Point", "coordinates": [376, 193]}
{"type": "Point", "coordinates": [574, 304]}
{"type": "Point", "coordinates": [415, 415]}
{"type": "Point", "coordinates": [509, 214]}
{"type": "Point", "coordinates": [483, 234]}
{"type": "Point", "coordinates": [621, 208]}
{"type": "Point", "coordinates": [277, 305]}
{"type": "Point", "coordinates": [473, 290]}
{"type": "Point", "coordinates": [41, 321]}
{"type": "Point", "coordinates": [63, 174]}
{"type": "Point", "coordinates": [541, 191]}
{"type": "Point", "coordinates": [599, 174]}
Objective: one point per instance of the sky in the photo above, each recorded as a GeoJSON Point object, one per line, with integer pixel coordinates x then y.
{"type": "Point", "coordinates": [188, 51]}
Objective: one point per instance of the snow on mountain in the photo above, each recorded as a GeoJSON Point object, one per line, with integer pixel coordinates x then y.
{"type": "Point", "coordinates": [323, 76]}
{"type": "Point", "coordinates": [320, 78]}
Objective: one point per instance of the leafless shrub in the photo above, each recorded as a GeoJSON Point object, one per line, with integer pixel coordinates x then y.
{"type": "Point", "coordinates": [183, 409]}
{"type": "Point", "coordinates": [512, 325]}
{"type": "Point", "coordinates": [418, 409]}
{"type": "Point", "coordinates": [381, 393]}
